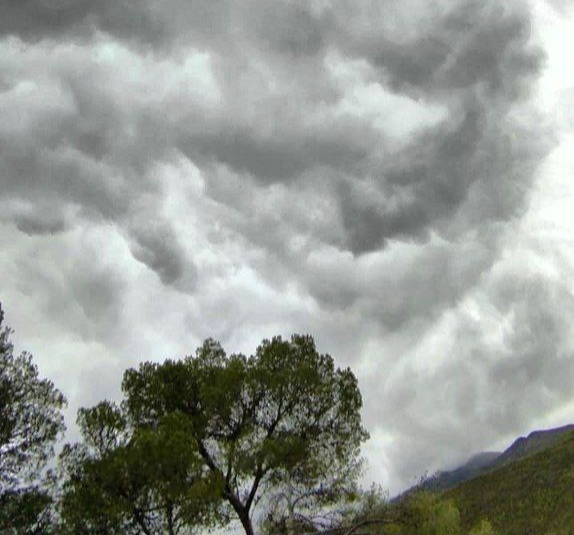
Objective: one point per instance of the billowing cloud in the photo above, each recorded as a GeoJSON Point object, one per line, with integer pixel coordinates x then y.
{"type": "Point", "coordinates": [358, 170]}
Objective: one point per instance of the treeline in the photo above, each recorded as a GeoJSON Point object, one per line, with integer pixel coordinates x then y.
{"type": "Point", "coordinates": [271, 440]}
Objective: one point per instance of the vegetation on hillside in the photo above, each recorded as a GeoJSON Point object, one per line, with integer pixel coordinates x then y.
{"type": "Point", "coordinates": [485, 462]}
{"type": "Point", "coordinates": [529, 496]}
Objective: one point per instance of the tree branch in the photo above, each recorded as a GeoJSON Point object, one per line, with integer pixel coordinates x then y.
{"type": "Point", "coordinates": [140, 521]}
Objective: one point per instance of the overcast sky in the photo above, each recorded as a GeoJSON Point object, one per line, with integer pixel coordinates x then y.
{"type": "Point", "coordinates": [392, 177]}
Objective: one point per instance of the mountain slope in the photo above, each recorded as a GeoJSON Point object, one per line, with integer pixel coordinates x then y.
{"type": "Point", "coordinates": [485, 462]}
{"type": "Point", "coordinates": [533, 443]}
{"type": "Point", "coordinates": [475, 466]}
{"type": "Point", "coordinates": [532, 495]}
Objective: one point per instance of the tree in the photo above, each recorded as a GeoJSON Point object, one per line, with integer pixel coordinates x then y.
{"type": "Point", "coordinates": [426, 513]}
{"type": "Point", "coordinates": [418, 513]}
{"type": "Point", "coordinates": [123, 480]}
{"type": "Point", "coordinates": [31, 421]}
{"type": "Point", "coordinates": [282, 420]}
{"type": "Point", "coordinates": [296, 507]}
{"type": "Point", "coordinates": [483, 527]}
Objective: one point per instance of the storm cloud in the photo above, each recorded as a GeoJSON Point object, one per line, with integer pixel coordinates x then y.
{"type": "Point", "coordinates": [357, 170]}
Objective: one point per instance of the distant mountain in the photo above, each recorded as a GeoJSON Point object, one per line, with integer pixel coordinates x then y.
{"type": "Point", "coordinates": [533, 443]}
{"type": "Point", "coordinates": [485, 462]}
{"type": "Point", "coordinates": [479, 461]}
{"type": "Point", "coordinates": [476, 465]}
{"type": "Point", "coordinates": [528, 492]}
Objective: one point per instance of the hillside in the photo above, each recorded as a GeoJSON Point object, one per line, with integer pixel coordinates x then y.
{"type": "Point", "coordinates": [475, 466]}
{"type": "Point", "coordinates": [485, 462]}
{"type": "Point", "coordinates": [533, 443]}
{"type": "Point", "coordinates": [532, 495]}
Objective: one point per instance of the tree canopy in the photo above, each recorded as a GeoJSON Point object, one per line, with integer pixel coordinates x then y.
{"type": "Point", "coordinates": [126, 480]}
{"type": "Point", "coordinates": [284, 422]}
{"type": "Point", "coordinates": [31, 421]}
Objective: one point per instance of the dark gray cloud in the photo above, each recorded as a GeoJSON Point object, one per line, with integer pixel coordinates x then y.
{"type": "Point", "coordinates": [481, 70]}
{"type": "Point", "coordinates": [478, 61]}
{"type": "Point", "coordinates": [140, 22]}
{"type": "Point", "coordinates": [32, 221]}
{"type": "Point", "coordinates": [238, 169]}
{"type": "Point", "coordinates": [37, 19]}
{"type": "Point", "coordinates": [156, 245]}
{"type": "Point", "coordinates": [474, 61]}
{"type": "Point", "coordinates": [286, 28]}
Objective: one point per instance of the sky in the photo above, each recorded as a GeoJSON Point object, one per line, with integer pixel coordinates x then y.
{"type": "Point", "coordinates": [392, 177]}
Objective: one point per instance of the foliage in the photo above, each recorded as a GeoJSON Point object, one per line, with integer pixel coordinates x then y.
{"type": "Point", "coordinates": [483, 527]}
{"type": "Point", "coordinates": [26, 511]}
{"type": "Point", "coordinates": [31, 421]}
{"type": "Point", "coordinates": [420, 513]}
{"type": "Point", "coordinates": [426, 513]}
{"type": "Point", "coordinates": [283, 422]}
{"type": "Point", "coordinates": [128, 480]}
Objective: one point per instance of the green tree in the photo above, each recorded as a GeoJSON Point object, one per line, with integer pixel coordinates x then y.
{"type": "Point", "coordinates": [484, 527]}
{"type": "Point", "coordinates": [426, 513]}
{"type": "Point", "coordinates": [284, 419]}
{"type": "Point", "coordinates": [419, 513]}
{"type": "Point", "coordinates": [31, 421]}
{"type": "Point", "coordinates": [124, 480]}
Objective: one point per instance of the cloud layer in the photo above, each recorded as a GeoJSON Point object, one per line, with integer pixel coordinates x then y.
{"type": "Point", "coordinates": [357, 170]}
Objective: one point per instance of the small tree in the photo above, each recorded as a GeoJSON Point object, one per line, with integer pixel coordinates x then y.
{"type": "Point", "coordinates": [31, 420]}
{"type": "Point", "coordinates": [284, 419]}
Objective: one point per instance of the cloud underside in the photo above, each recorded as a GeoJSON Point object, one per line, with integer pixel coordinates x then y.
{"type": "Point", "coordinates": [353, 169]}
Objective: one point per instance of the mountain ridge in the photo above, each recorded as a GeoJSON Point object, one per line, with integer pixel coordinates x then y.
{"type": "Point", "coordinates": [529, 495]}
{"type": "Point", "coordinates": [484, 462]}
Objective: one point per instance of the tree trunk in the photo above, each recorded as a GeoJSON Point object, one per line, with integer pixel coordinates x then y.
{"type": "Point", "coordinates": [245, 521]}
{"type": "Point", "coordinates": [170, 529]}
